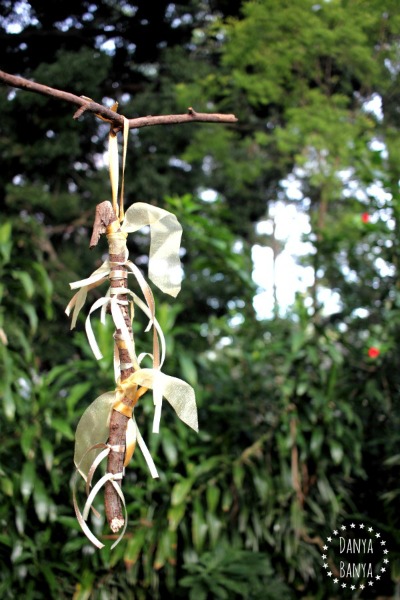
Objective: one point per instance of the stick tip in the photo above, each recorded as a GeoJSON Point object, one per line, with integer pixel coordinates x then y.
{"type": "Point", "coordinates": [116, 524]}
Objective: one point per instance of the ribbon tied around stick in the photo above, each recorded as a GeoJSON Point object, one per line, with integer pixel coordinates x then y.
{"type": "Point", "coordinates": [92, 433]}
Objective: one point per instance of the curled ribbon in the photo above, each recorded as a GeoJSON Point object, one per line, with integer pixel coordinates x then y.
{"type": "Point", "coordinates": [104, 450]}
{"type": "Point", "coordinates": [92, 430]}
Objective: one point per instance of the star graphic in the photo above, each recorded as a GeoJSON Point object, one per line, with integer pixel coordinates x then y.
{"type": "Point", "coordinates": [383, 570]}
{"type": "Point", "coordinates": [335, 532]}
{"type": "Point", "coordinates": [370, 583]}
{"type": "Point", "coordinates": [385, 551]}
{"type": "Point", "coordinates": [325, 547]}
{"type": "Point", "coordinates": [325, 565]}
{"type": "Point", "coordinates": [385, 560]}
{"type": "Point", "coordinates": [343, 585]}
{"type": "Point", "coordinates": [335, 580]}
{"type": "Point", "coordinates": [330, 574]}
{"type": "Point", "coordinates": [329, 539]}
{"type": "Point", "coordinates": [323, 556]}
{"type": "Point", "coordinates": [343, 527]}
{"type": "Point", "coordinates": [352, 525]}
{"type": "Point", "coordinates": [370, 529]}
{"type": "Point", "coordinates": [377, 577]}
{"type": "Point", "coordinates": [378, 535]}
{"type": "Point", "coordinates": [353, 587]}
{"type": "Point", "coordinates": [362, 587]}
{"type": "Point", "coordinates": [383, 543]}
{"type": "Point", "coordinates": [362, 526]}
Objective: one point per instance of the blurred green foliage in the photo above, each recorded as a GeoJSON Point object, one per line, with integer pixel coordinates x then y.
{"type": "Point", "coordinates": [299, 425]}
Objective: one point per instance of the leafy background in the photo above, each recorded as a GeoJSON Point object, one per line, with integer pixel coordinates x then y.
{"type": "Point", "coordinates": [299, 422]}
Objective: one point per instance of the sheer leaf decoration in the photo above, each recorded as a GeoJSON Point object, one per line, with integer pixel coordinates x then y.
{"type": "Point", "coordinates": [165, 236]}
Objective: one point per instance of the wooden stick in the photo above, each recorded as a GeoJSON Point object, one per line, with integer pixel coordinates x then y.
{"type": "Point", "coordinates": [87, 105]}
{"type": "Point", "coordinates": [105, 216]}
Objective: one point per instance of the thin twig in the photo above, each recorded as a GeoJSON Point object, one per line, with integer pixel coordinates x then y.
{"type": "Point", "coordinates": [87, 105]}
{"type": "Point", "coordinates": [105, 216]}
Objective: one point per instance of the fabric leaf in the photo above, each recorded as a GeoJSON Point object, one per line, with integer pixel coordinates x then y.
{"type": "Point", "coordinates": [92, 429]}
{"type": "Point", "coordinates": [165, 238]}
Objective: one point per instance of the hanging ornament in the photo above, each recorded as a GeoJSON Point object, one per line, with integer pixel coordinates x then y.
{"type": "Point", "coordinates": [92, 445]}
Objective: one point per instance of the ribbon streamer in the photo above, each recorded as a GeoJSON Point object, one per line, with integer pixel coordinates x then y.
{"type": "Point", "coordinates": [114, 166]}
{"type": "Point", "coordinates": [92, 432]}
{"type": "Point", "coordinates": [93, 425]}
{"type": "Point", "coordinates": [164, 256]}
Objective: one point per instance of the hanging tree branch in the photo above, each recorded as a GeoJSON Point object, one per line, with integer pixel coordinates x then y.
{"type": "Point", "coordinates": [105, 218]}
{"type": "Point", "coordinates": [87, 105]}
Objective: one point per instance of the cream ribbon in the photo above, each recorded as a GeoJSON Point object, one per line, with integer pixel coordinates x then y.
{"type": "Point", "coordinates": [78, 300]}
{"type": "Point", "coordinates": [164, 255]}
{"type": "Point", "coordinates": [179, 394]}
{"type": "Point", "coordinates": [104, 450]}
{"type": "Point", "coordinates": [114, 167]}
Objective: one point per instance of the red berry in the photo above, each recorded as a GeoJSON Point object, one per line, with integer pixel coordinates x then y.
{"type": "Point", "coordinates": [373, 352]}
{"type": "Point", "coordinates": [365, 217]}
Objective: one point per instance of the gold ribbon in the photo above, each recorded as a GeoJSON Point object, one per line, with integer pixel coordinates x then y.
{"type": "Point", "coordinates": [114, 168]}
{"type": "Point", "coordinates": [128, 390]}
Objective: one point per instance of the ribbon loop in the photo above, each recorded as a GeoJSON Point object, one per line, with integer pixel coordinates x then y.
{"type": "Point", "coordinates": [82, 517]}
{"type": "Point", "coordinates": [114, 168]}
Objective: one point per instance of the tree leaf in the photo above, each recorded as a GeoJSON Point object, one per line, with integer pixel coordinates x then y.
{"type": "Point", "coordinates": [26, 281]}
{"type": "Point", "coordinates": [336, 450]}
{"type": "Point", "coordinates": [180, 491]}
{"type": "Point", "coordinates": [28, 478]}
{"type": "Point", "coordinates": [47, 452]}
{"type": "Point", "coordinates": [41, 501]}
